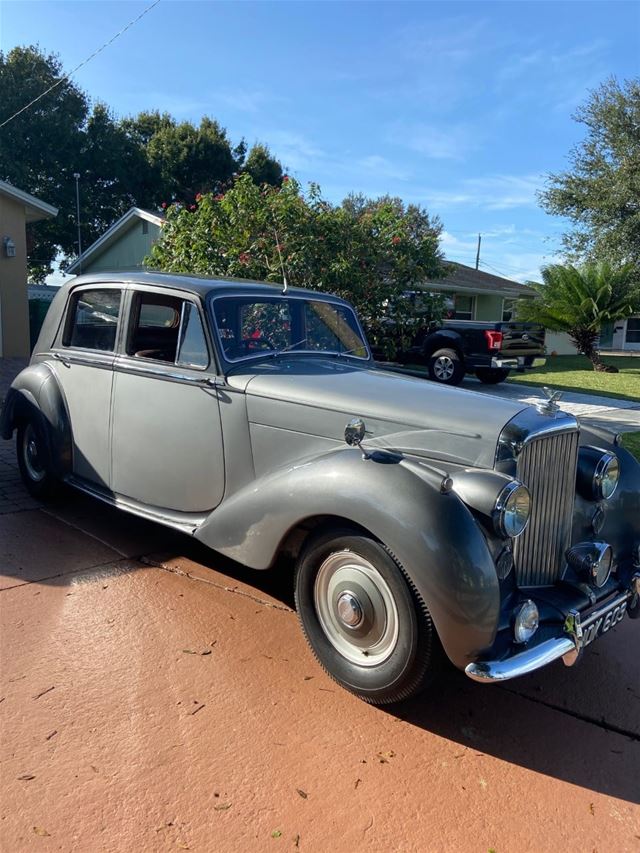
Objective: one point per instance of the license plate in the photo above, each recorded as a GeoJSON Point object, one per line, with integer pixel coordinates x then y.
{"type": "Point", "coordinates": [602, 623]}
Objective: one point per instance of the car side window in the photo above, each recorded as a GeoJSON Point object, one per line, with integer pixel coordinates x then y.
{"type": "Point", "coordinates": [167, 328]}
{"type": "Point", "coordinates": [92, 319]}
{"type": "Point", "coordinates": [192, 344]}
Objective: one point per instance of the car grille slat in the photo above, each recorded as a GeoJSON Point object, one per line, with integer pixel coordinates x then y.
{"type": "Point", "coordinates": [547, 466]}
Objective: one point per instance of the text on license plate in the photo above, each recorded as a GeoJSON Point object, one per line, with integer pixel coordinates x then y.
{"type": "Point", "coordinates": [603, 624]}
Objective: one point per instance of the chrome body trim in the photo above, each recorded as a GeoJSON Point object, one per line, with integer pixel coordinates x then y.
{"type": "Point", "coordinates": [102, 358]}
{"type": "Point", "coordinates": [126, 364]}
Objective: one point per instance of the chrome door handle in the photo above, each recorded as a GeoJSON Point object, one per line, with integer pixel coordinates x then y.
{"type": "Point", "coordinates": [59, 357]}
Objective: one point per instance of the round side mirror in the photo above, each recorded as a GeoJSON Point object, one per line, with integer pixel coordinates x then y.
{"type": "Point", "coordinates": [354, 432]}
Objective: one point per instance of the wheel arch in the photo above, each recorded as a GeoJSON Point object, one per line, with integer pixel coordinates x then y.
{"type": "Point", "coordinates": [434, 536]}
{"type": "Point", "coordinates": [443, 340]}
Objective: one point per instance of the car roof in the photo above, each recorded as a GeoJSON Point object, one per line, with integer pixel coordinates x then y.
{"type": "Point", "coordinates": [200, 285]}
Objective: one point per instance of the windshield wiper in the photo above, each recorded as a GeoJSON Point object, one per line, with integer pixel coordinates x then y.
{"type": "Point", "coordinates": [351, 351]}
{"type": "Point", "coordinates": [287, 348]}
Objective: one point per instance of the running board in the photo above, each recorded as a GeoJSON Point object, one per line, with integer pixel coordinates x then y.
{"type": "Point", "coordinates": [185, 522]}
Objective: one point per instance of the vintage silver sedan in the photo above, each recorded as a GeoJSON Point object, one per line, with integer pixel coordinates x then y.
{"type": "Point", "coordinates": [425, 522]}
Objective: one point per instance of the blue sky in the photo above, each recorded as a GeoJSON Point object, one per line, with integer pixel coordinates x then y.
{"type": "Point", "coordinates": [461, 107]}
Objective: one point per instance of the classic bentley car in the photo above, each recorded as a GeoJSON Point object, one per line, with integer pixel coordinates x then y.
{"type": "Point", "coordinates": [424, 522]}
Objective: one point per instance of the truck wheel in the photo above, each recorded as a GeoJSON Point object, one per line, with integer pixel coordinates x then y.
{"type": "Point", "coordinates": [445, 366]}
{"type": "Point", "coordinates": [491, 375]}
{"type": "Point", "coordinates": [363, 618]}
{"type": "Point", "coordinates": [33, 460]}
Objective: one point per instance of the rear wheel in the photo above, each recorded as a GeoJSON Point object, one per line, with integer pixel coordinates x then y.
{"type": "Point", "coordinates": [33, 460]}
{"type": "Point", "coordinates": [491, 375]}
{"type": "Point", "coordinates": [364, 619]}
{"type": "Point", "coordinates": [446, 366]}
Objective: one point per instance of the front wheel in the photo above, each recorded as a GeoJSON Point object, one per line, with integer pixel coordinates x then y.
{"type": "Point", "coordinates": [363, 618]}
{"type": "Point", "coordinates": [446, 366]}
{"type": "Point", "coordinates": [491, 375]}
{"type": "Point", "coordinates": [33, 460]}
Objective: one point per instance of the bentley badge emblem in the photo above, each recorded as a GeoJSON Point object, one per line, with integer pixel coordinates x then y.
{"type": "Point", "coordinates": [551, 406]}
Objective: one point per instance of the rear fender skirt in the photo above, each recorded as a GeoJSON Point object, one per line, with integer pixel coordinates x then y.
{"type": "Point", "coordinates": [434, 535]}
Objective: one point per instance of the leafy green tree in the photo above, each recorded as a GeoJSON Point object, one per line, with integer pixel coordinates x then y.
{"type": "Point", "coordinates": [262, 166]}
{"type": "Point", "coordinates": [143, 160]}
{"type": "Point", "coordinates": [40, 149]}
{"type": "Point", "coordinates": [578, 300]}
{"type": "Point", "coordinates": [368, 251]}
{"type": "Point", "coordinates": [600, 193]}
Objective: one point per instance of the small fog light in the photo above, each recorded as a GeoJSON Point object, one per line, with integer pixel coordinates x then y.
{"type": "Point", "coordinates": [526, 622]}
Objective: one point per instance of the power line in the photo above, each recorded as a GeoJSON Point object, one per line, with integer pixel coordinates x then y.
{"type": "Point", "coordinates": [83, 63]}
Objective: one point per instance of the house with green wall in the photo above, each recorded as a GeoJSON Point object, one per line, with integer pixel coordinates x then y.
{"type": "Point", "coordinates": [123, 246]}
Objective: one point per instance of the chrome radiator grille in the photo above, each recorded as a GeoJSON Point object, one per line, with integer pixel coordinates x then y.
{"type": "Point", "coordinates": [547, 466]}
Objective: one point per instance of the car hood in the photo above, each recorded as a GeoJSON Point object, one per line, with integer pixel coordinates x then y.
{"type": "Point", "coordinates": [318, 397]}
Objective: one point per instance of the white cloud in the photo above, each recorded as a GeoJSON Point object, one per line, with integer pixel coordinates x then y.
{"type": "Point", "coordinates": [493, 192]}
{"type": "Point", "coordinates": [294, 150]}
{"type": "Point", "coordinates": [451, 142]}
{"type": "Point", "coordinates": [381, 167]}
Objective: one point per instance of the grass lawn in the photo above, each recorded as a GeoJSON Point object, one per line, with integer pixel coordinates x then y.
{"type": "Point", "coordinates": [575, 373]}
{"type": "Point", "coordinates": [632, 442]}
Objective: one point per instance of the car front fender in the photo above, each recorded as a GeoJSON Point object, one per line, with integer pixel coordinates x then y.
{"type": "Point", "coordinates": [433, 534]}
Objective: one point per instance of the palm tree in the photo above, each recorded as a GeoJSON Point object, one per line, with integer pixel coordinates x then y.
{"type": "Point", "coordinates": [579, 300]}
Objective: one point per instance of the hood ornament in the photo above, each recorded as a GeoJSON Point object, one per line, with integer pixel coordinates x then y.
{"type": "Point", "coordinates": [550, 406]}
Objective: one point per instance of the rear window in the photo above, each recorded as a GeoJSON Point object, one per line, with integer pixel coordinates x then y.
{"type": "Point", "coordinates": [92, 320]}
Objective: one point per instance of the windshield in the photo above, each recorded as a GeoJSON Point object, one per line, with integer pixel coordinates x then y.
{"type": "Point", "coordinates": [265, 325]}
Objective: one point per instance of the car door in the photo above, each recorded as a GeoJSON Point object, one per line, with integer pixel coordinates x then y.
{"type": "Point", "coordinates": [166, 446]}
{"type": "Point", "coordinates": [83, 357]}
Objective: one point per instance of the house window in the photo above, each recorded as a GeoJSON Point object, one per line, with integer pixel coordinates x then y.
{"type": "Point", "coordinates": [463, 307]}
{"type": "Point", "coordinates": [145, 226]}
{"type": "Point", "coordinates": [509, 310]}
{"type": "Point", "coordinates": [633, 331]}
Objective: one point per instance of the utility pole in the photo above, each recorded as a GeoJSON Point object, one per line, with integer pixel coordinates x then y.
{"type": "Point", "coordinates": [478, 252]}
{"type": "Point", "coordinates": [76, 175]}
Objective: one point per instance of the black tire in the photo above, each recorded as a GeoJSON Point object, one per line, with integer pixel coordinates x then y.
{"type": "Point", "coordinates": [445, 366]}
{"type": "Point", "coordinates": [396, 636]}
{"type": "Point", "coordinates": [492, 375]}
{"type": "Point", "coordinates": [33, 460]}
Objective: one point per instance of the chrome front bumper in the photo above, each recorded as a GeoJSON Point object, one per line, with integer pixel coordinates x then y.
{"type": "Point", "coordinates": [567, 647]}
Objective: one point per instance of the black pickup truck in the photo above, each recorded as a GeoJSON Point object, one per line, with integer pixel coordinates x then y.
{"type": "Point", "coordinates": [452, 348]}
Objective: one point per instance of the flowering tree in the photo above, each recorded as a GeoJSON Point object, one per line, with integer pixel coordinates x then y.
{"type": "Point", "coordinates": [370, 252]}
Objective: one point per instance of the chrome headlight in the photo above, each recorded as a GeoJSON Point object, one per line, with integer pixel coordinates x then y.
{"type": "Point", "coordinates": [606, 476]}
{"type": "Point", "coordinates": [598, 473]}
{"type": "Point", "coordinates": [512, 510]}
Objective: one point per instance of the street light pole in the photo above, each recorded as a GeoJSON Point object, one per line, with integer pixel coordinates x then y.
{"type": "Point", "coordinates": [76, 175]}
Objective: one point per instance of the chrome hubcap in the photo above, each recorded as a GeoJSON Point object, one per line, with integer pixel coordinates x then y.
{"type": "Point", "coordinates": [356, 609]}
{"type": "Point", "coordinates": [443, 367]}
{"type": "Point", "coordinates": [31, 456]}
{"type": "Point", "coordinates": [349, 610]}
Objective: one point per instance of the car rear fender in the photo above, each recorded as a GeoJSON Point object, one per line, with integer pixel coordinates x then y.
{"type": "Point", "coordinates": [433, 535]}
{"type": "Point", "coordinates": [35, 392]}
